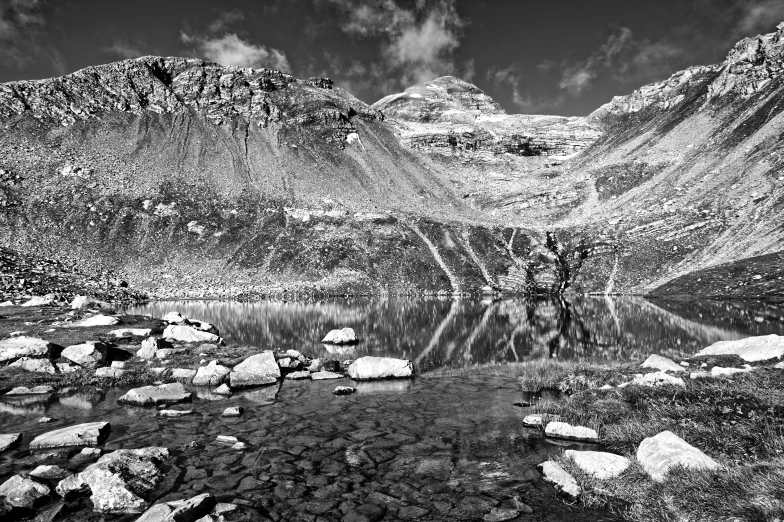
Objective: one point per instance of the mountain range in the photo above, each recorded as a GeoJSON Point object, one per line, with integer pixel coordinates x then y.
{"type": "Point", "coordinates": [193, 179]}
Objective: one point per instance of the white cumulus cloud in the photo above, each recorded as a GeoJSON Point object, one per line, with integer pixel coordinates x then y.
{"type": "Point", "coordinates": [230, 49]}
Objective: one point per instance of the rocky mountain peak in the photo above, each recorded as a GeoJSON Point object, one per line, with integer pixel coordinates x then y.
{"type": "Point", "coordinates": [445, 99]}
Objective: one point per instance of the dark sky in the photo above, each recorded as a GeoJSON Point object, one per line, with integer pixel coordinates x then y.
{"type": "Point", "coordinates": [533, 56]}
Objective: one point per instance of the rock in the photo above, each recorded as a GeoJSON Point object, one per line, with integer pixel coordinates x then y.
{"type": "Point", "coordinates": [90, 452]}
{"type": "Point", "coordinates": [8, 440]}
{"type": "Point", "coordinates": [212, 374]}
{"type": "Point", "coordinates": [131, 332]}
{"type": "Point", "coordinates": [37, 390]}
{"type": "Point", "coordinates": [343, 390]}
{"type": "Point", "coordinates": [87, 355]}
{"type": "Point", "coordinates": [366, 368]}
{"type": "Point", "coordinates": [226, 439]}
{"type": "Point", "coordinates": [188, 334]}
{"type": "Point", "coordinates": [718, 371]}
{"type": "Point", "coordinates": [294, 354]}
{"type": "Point", "coordinates": [34, 365]}
{"type": "Point", "coordinates": [657, 379]}
{"type": "Point", "coordinates": [557, 476]}
{"type": "Point", "coordinates": [17, 347]}
{"type": "Point", "coordinates": [366, 512]}
{"type": "Point", "coordinates": [751, 349]}
{"type": "Point", "coordinates": [118, 364]}
{"type": "Point", "coordinates": [174, 318]}
{"type": "Point", "coordinates": [165, 353]}
{"type": "Point", "coordinates": [501, 514]}
{"type": "Point", "coordinates": [537, 420]}
{"type": "Point", "coordinates": [239, 446]}
{"type": "Point", "coordinates": [153, 395]}
{"type": "Point", "coordinates": [87, 434]}
{"type": "Point", "coordinates": [562, 430]}
{"type": "Point", "coordinates": [322, 375]}
{"type": "Point", "coordinates": [663, 364]}
{"type": "Point", "coordinates": [189, 510]}
{"type": "Point", "coordinates": [45, 420]}
{"type": "Point", "coordinates": [109, 373]}
{"type": "Point", "coordinates": [184, 374]}
{"type": "Point", "coordinates": [67, 368]}
{"type": "Point", "coordinates": [779, 366]}
{"type": "Point", "coordinates": [256, 370]}
{"type": "Point", "coordinates": [234, 411]}
{"type": "Point", "coordinates": [39, 301]}
{"type": "Point", "coordinates": [223, 390]}
{"type": "Point", "coordinates": [119, 481]}
{"type": "Point", "coordinates": [23, 492]}
{"type": "Point", "coordinates": [6, 303]}
{"type": "Point", "coordinates": [659, 453]}
{"type": "Point", "coordinates": [344, 336]}
{"type": "Point", "coordinates": [599, 464]}
{"type": "Point", "coordinates": [45, 472]}
{"type": "Point", "coordinates": [98, 320]}
{"type": "Point", "coordinates": [175, 413]}
{"type": "Point", "coordinates": [82, 301]}
{"type": "Point", "coordinates": [315, 365]}
{"type": "Point", "coordinates": [150, 347]}
{"type": "Point", "coordinates": [289, 363]}
{"type": "Point", "coordinates": [298, 375]}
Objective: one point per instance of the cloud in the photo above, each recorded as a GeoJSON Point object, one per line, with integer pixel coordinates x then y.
{"type": "Point", "coordinates": [21, 24]}
{"type": "Point", "coordinates": [125, 49]}
{"type": "Point", "coordinates": [225, 20]}
{"type": "Point", "coordinates": [230, 49]}
{"type": "Point", "coordinates": [579, 76]}
{"type": "Point", "coordinates": [761, 16]}
{"type": "Point", "coordinates": [511, 77]}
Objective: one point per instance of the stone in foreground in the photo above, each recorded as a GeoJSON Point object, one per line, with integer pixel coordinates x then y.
{"type": "Point", "coordinates": [9, 439]}
{"type": "Point", "coordinates": [562, 481]}
{"type": "Point", "coordinates": [343, 336]}
{"type": "Point", "coordinates": [153, 395]}
{"type": "Point", "coordinates": [212, 374]}
{"type": "Point", "coordinates": [188, 334]}
{"type": "Point", "coordinates": [366, 368]}
{"type": "Point", "coordinates": [751, 349]}
{"type": "Point", "coordinates": [563, 430]}
{"type": "Point", "coordinates": [599, 464]}
{"type": "Point", "coordinates": [23, 346]}
{"type": "Point", "coordinates": [663, 364]}
{"type": "Point", "coordinates": [87, 355]}
{"type": "Point", "coordinates": [119, 481]}
{"type": "Point", "coordinates": [657, 379]}
{"type": "Point", "coordinates": [256, 370]}
{"type": "Point", "coordinates": [661, 452]}
{"type": "Point", "coordinates": [196, 508]}
{"type": "Point", "coordinates": [29, 364]}
{"type": "Point", "coordinates": [87, 434]}
{"type": "Point", "coordinates": [22, 492]}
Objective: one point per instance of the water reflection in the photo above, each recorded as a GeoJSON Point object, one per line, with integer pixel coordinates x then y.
{"type": "Point", "coordinates": [444, 332]}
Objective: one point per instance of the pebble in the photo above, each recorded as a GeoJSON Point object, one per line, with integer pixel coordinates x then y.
{"type": "Point", "coordinates": [233, 411]}
{"type": "Point", "coordinates": [343, 390]}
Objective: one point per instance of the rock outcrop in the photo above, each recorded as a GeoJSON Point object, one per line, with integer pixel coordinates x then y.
{"type": "Point", "coordinates": [87, 434]}
{"type": "Point", "coordinates": [660, 453]}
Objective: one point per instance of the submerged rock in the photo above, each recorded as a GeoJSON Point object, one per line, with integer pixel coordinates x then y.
{"type": "Point", "coordinates": [256, 370]}
{"type": "Point", "coordinates": [119, 480]}
{"type": "Point", "coordinates": [663, 364]}
{"type": "Point", "coordinates": [380, 368]}
{"type": "Point", "coordinates": [87, 355]}
{"type": "Point", "coordinates": [22, 346]}
{"type": "Point", "coordinates": [23, 492]}
{"type": "Point", "coordinates": [751, 349]}
{"type": "Point", "coordinates": [9, 440]}
{"type": "Point", "coordinates": [343, 336]}
{"type": "Point", "coordinates": [154, 395]}
{"type": "Point", "coordinates": [599, 464]}
{"type": "Point", "coordinates": [212, 374]}
{"type": "Point", "coordinates": [181, 510]}
{"type": "Point", "coordinates": [661, 452]}
{"type": "Point", "coordinates": [553, 473]}
{"type": "Point", "coordinates": [563, 430]}
{"type": "Point", "coordinates": [499, 514]}
{"type": "Point", "coordinates": [188, 334]}
{"type": "Point", "coordinates": [87, 434]}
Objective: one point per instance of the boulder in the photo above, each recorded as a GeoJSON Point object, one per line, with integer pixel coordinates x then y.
{"type": "Point", "coordinates": [98, 320]}
{"type": "Point", "coordinates": [289, 363]}
{"type": "Point", "coordinates": [663, 364]}
{"type": "Point", "coordinates": [22, 346]}
{"type": "Point", "coordinates": [751, 349]}
{"type": "Point", "coordinates": [150, 347]}
{"type": "Point", "coordinates": [110, 373]}
{"type": "Point", "coordinates": [153, 395]}
{"type": "Point", "coordinates": [87, 355]}
{"type": "Point", "coordinates": [34, 365]}
{"type": "Point", "coordinates": [175, 413]}
{"type": "Point", "coordinates": [779, 366]}
{"type": "Point", "coordinates": [661, 452]}
{"type": "Point", "coordinates": [538, 420]}
{"type": "Point", "coordinates": [211, 374]}
{"type": "Point", "coordinates": [174, 318]}
{"type": "Point", "coordinates": [40, 301]}
{"type": "Point", "coordinates": [223, 389]}
{"type": "Point", "coordinates": [82, 301]}
{"type": "Point", "coordinates": [67, 368]}
{"type": "Point", "coordinates": [324, 375]}
{"type": "Point", "coordinates": [45, 472]}
{"type": "Point", "coordinates": [343, 390]}
{"type": "Point", "coordinates": [366, 368]}
{"type": "Point", "coordinates": [131, 332]}
{"type": "Point", "coordinates": [196, 508]}
{"type": "Point", "coordinates": [23, 492]}
{"type": "Point", "coordinates": [315, 365]}
{"type": "Point", "coordinates": [188, 334]}
{"type": "Point", "coordinates": [9, 440]}
{"type": "Point", "coordinates": [87, 434]}
{"type": "Point", "coordinates": [119, 481]}
{"type": "Point", "coordinates": [256, 370]}
{"type": "Point", "coordinates": [657, 379]}
{"type": "Point", "coordinates": [718, 371]}
{"type": "Point", "coordinates": [343, 336]}
{"type": "Point", "coordinates": [184, 374]}
{"type": "Point", "coordinates": [298, 375]}
{"type": "Point", "coordinates": [553, 473]}
{"type": "Point", "coordinates": [233, 411]}
{"type": "Point", "coordinates": [563, 430]}
{"type": "Point", "coordinates": [599, 464]}
{"type": "Point", "coordinates": [43, 389]}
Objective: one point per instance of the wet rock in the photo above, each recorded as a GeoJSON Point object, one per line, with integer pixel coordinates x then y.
{"type": "Point", "coordinates": [343, 336]}
{"type": "Point", "coordinates": [34, 365]}
{"type": "Point", "coordinates": [36, 390]}
{"type": "Point", "coordinates": [657, 379]}
{"type": "Point", "coordinates": [98, 320]}
{"type": "Point", "coordinates": [751, 349]}
{"type": "Point", "coordinates": [184, 374]}
{"type": "Point", "coordinates": [212, 374]}
{"type": "Point", "coordinates": [131, 332]}
{"type": "Point", "coordinates": [87, 355]}
{"type": "Point", "coordinates": [365, 513]}
{"type": "Point", "coordinates": [188, 334]}
{"type": "Point", "coordinates": [82, 301]}
{"type": "Point", "coordinates": [45, 472]}
{"type": "Point", "coordinates": [39, 301]}
{"type": "Point", "coordinates": [9, 440]}
{"type": "Point", "coordinates": [553, 473]}
{"type": "Point", "coordinates": [175, 413]}
{"type": "Point", "coordinates": [22, 346]}
{"type": "Point", "coordinates": [661, 452]}
{"type": "Point", "coordinates": [599, 464]}
{"type": "Point", "coordinates": [501, 515]}
{"type": "Point", "coordinates": [119, 481]}
{"type": "Point", "coordinates": [223, 390]}
{"type": "Point", "coordinates": [288, 363]}
{"type": "Point", "coordinates": [153, 395]}
{"type": "Point", "coordinates": [298, 375]}
{"type": "Point", "coordinates": [343, 390]}
{"type": "Point", "coordinates": [563, 430]}
{"type": "Point", "coordinates": [323, 375]}
{"type": "Point", "coordinates": [233, 411]}
{"type": "Point", "coordinates": [226, 439]}
{"type": "Point", "coordinates": [380, 368]}
{"type": "Point", "coordinates": [180, 510]}
{"type": "Point", "coordinates": [663, 364]}
{"type": "Point", "coordinates": [87, 434]}
{"type": "Point", "coordinates": [23, 492]}
{"type": "Point", "coordinates": [256, 370]}
{"type": "Point", "coordinates": [150, 348]}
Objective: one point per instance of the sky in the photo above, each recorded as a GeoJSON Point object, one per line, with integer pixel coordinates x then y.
{"type": "Point", "coordinates": [564, 57]}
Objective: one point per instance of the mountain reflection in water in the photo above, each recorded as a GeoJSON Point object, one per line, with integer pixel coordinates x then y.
{"type": "Point", "coordinates": [444, 332]}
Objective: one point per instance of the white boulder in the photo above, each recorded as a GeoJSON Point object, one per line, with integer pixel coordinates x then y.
{"type": "Point", "coordinates": [40, 301]}
{"type": "Point", "coordinates": [718, 371]}
{"type": "Point", "coordinates": [751, 349]}
{"type": "Point", "coordinates": [87, 355]}
{"type": "Point", "coordinates": [82, 301]}
{"type": "Point", "coordinates": [8, 440]}
{"type": "Point", "coordinates": [366, 368]}
{"type": "Point", "coordinates": [553, 473]}
{"type": "Point", "coordinates": [98, 320]}
{"type": "Point", "coordinates": [663, 364]}
{"type": "Point", "coordinates": [188, 334]}
{"type": "Point", "coordinates": [152, 395]}
{"type": "Point", "coordinates": [197, 508]}
{"type": "Point", "coordinates": [211, 374]}
{"type": "Point", "coordinates": [87, 434]}
{"type": "Point", "coordinates": [342, 336]}
{"type": "Point", "coordinates": [599, 464]}
{"type": "Point", "coordinates": [657, 379]}
{"type": "Point", "coordinates": [22, 346]}
{"type": "Point", "coordinates": [131, 332]}
{"type": "Point", "coordinates": [23, 492]}
{"type": "Point", "coordinates": [256, 370]}
{"type": "Point", "coordinates": [661, 452]}
{"type": "Point", "coordinates": [563, 430]}
{"type": "Point", "coordinates": [35, 365]}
